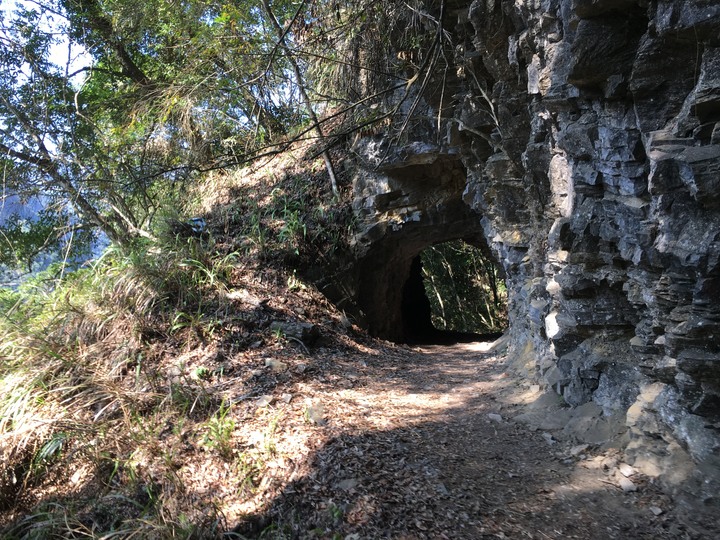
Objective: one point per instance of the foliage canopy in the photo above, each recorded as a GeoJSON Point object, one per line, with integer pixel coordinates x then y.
{"type": "Point", "coordinates": [465, 289]}
{"type": "Point", "coordinates": [109, 107]}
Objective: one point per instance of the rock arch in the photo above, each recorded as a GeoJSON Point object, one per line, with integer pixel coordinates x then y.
{"type": "Point", "coordinates": [591, 172]}
{"type": "Point", "coordinates": [405, 208]}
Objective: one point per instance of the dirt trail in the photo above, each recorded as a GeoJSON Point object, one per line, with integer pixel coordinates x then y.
{"type": "Point", "coordinates": [425, 446]}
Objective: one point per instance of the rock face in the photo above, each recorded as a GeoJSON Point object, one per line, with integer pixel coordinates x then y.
{"type": "Point", "coordinates": [584, 151]}
{"type": "Point", "coordinates": [615, 156]}
{"type": "Point", "coordinates": [410, 201]}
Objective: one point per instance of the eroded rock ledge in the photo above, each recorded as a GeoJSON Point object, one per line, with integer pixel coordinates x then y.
{"type": "Point", "coordinates": [584, 150]}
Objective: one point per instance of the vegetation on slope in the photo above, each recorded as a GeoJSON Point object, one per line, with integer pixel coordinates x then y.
{"type": "Point", "coordinates": [147, 361]}
{"type": "Point", "coordinates": [124, 382]}
{"type": "Point", "coordinates": [110, 109]}
{"type": "Point", "coordinates": [465, 289]}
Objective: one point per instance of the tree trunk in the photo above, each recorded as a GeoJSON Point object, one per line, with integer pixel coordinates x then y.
{"type": "Point", "coordinates": [98, 22]}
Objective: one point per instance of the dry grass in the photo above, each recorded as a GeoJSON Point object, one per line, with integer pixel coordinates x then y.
{"type": "Point", "coordinates": [128, 390]}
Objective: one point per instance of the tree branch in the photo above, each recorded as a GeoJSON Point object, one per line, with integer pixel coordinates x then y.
{"type": "Point", "coordinates": [103, 26]}
{"type": "Point", "coordinates": [301, 87]}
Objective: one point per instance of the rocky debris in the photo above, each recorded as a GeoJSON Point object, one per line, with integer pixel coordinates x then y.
{"type": "Point", "coordinates": [627, 485]}
{"type": "Point", "coordinates": [626, 470]}
{"type": "Point", "coordinates": [276, 365]}
{"type": "Point", "coordinates": [548, 438]}
{"type": "Point", "coordinates": [315, 412]}
{"type": "Point", "coordinates": [656, 510]}
{"type": "Point", "coordinates": [265, 401]}
{"type": "Point", "coordinates": [306, 333]}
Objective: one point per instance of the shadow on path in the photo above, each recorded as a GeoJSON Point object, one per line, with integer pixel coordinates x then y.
{"type": "Point", "coordinates": [452, 467]}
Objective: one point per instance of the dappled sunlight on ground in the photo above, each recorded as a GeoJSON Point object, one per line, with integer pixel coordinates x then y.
{"type": "Point", "coordinates": [422, 444]}
{"type": "Point", "coordinates": [376, 440]}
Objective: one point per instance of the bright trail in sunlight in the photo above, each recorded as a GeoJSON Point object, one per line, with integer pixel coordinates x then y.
{"type": "Point", "coordinates": [485, 346]}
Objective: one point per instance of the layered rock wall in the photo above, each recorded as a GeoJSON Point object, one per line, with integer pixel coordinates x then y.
{"type": "Point", "coordinates": [583, 147]}
{"type": "Point", "coordinates": [599, 189]}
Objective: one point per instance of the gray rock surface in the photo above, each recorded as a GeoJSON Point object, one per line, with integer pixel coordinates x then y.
{"type": "Point", "coordinates": [618, 296]}
{"type": "Point", "coordinates": [583, 151]}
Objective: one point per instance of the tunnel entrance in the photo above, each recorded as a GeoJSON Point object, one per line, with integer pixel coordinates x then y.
{"type": "Point", "coordinates": [454, 293]}
{"type": "Point", "coordinates": [407, 213]}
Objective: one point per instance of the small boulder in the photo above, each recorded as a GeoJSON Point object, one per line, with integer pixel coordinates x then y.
{"type": "Point", "coordinates": [306, 332]}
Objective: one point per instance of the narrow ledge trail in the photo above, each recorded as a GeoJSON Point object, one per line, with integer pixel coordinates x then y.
{"type": "Point", "coordinates": [424, 445]}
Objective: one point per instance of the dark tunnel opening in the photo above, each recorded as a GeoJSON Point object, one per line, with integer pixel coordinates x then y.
{"type": "Point", "coordinates": [420, 211]}
{"type": "Point", "coordinates": [415, 306]}
{"type": "Point", "coordinates": [454, 293]}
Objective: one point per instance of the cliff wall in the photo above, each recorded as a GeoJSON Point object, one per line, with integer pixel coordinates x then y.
{"type": "Point", "coordinates": [579, 141]}
{"type": "Point", "coordinates": [598, 183]}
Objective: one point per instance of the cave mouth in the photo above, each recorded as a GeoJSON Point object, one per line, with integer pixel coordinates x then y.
{"type": "Point", "coordinates": [455, 292]}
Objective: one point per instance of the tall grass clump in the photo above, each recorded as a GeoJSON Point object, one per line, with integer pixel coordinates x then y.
{"type": "Point", "coordinates": [83, 395]}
